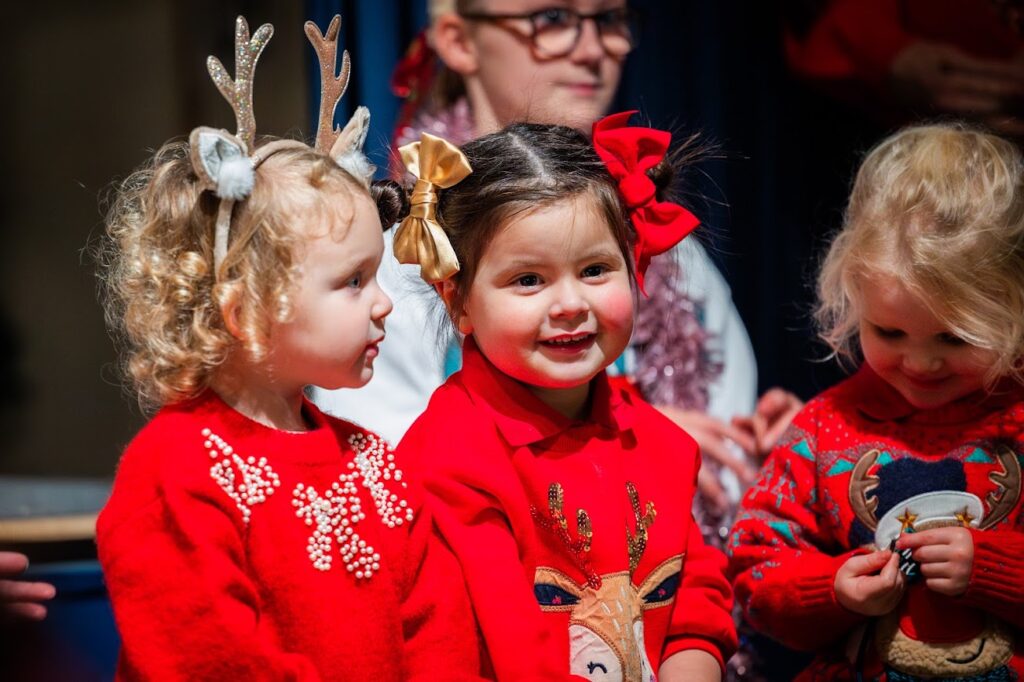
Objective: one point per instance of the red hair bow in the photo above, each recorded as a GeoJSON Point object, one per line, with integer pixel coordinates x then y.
{"type": "Point", "coordinates": [629, 153]}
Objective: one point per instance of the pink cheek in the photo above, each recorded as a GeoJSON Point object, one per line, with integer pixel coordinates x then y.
{"type": "Point", "coordinates": [618, 309]}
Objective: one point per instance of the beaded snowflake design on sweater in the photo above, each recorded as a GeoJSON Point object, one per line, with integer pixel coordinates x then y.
{"type": "Point", "coordinates": [334, 513]}
{"type": "Point", "coordinates": [258, 479]}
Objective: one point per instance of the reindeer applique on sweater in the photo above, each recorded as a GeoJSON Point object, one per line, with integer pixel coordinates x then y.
{"type": "Point", "coordinates": [606, 629]}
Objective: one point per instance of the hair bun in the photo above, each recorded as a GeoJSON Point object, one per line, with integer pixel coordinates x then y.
{"type": "Point", "coordinates": [392, 201]}
{"type": "Point", "coordinates": [663, 175]}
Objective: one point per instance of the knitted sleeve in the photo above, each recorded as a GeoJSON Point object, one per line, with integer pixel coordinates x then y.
{"type": "Point", "coordinates": [174, 566]}
{"type": "Point", "coordinates": [702, 613]}
{"type": "Point", "coordinates": [780, 559]}
{"type": "Point", "coordinates": [997, 575]}
{"type": "Point", "coordinates": [438, 626]}
{"type": "Point", "coordinates": [468, 489]}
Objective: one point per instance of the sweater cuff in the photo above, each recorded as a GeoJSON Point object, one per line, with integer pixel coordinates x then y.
{"type": "Point", "coordinates": [815, 596]}
{"type": "Point", "coordinates": [997, 570]}
{"type": "Point", "coordinates": [678, 644]}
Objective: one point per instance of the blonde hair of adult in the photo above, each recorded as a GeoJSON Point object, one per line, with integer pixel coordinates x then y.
{"type": "Point", "coordinates": [176, 318]}
{"type": "Point", "coordinates": [940, 208]}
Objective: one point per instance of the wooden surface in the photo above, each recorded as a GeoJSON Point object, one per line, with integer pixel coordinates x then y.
{"type": "Point", "coordinates": [47, 529]}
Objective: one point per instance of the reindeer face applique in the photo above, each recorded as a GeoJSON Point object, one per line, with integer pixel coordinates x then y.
{"type": "Point", "coordinates": [606, 627]}
{"type": "Point", "coordinates": [930, 635]}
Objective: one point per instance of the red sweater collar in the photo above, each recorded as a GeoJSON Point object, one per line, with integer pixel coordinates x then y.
{"type": "Point", "coordinates": [317, 445]}
{"type": "Point", "coordinates": [876, 399]}
{"type": "Point", "coordinates": [521, 417]}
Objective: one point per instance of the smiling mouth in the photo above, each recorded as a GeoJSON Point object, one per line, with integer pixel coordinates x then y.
{"type": "Point", "coordinates": [919, 381]}
{"type": "Point", "coordinates": [569, 342]}
{"type": "Point", "coordinates": [973, 657]}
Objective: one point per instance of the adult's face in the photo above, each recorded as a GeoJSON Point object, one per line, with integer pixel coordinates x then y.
{"type": "Point", "coordinates": [509, 77]}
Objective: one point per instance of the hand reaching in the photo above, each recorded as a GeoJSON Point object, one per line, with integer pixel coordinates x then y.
{"type": "Point", "coordinates": [713, 436]}
{"type": "Point", "coordinates": [20, 599]}
{"type": "Point", "coordinates": [946, 79]}
{"type": "Point", "coordinates": [870, 584]}
{"type": "Point", "coordinates": [774, 411]}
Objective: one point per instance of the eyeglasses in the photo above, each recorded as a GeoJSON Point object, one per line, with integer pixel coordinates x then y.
{"type": "Point", "coordinates": [555, 31]}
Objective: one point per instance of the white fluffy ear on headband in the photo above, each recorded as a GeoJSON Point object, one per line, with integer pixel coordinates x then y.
{"type": "Point", "coordinates": [347, 151]}
{"type": "Point", "coordinates": [220, 160]}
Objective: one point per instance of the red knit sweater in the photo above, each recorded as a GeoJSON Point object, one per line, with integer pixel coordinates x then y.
{"type": "Point", "coordinates": [575, 537]}
{"type": "Point", "coordinates": [233, 551]}
{"type": "Point", "coordinates": [858, 454]}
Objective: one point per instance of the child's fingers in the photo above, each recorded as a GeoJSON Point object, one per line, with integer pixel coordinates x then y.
{"type": "Point", "coordinates": [930, 554]}
{"type": "Point", "coordinates": [944, 586]}
{"type": "Point", "coordinates": [937, 570]}
{"type": "Point", "coordinates": [12, 563]}
{"type": "Point", "coordinates": [717, 450]}
{"type": "Point", "coordinates": [867, 564]}
{"type": "Point", "coordinates": [23, 610]}
{"type": "Point", "coordinates": [21, 591]}
{"type": "Point", "coordinates": [919, 539]}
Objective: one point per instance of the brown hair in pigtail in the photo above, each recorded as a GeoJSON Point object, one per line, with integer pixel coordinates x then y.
{"type": "Point", "coordinates": [670, 172]}
{"type": "Point", "coordinates": [392, 201]}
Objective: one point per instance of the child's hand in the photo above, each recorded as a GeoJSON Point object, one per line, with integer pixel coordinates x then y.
{"type": "Point", "coordinates": [861, 588]}
{"type": "Point", "coordinates": [774, 411]}
{"type": "Point", "coordinates": [946, 556]}
{"type": "Point", "coordinates": [18, 598]}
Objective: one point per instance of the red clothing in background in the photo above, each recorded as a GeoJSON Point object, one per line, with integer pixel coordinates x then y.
{"type": "Point", "coordinates": [856, 452]}
{"type": "Point", "coordinates": [223, 546]}
{"type": "Point", "coordinates": [575, 537]}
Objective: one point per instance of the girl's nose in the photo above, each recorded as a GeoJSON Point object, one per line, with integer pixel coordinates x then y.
{"type": "Point", "coordinates": [382, 306]}
{"type": "Point", "coordinates": [569, 302]}
{"type": "Point", "coordinates": [922, 363]}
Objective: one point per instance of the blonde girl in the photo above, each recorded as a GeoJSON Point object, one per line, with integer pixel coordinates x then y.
{"type": "Point", "coordinates": [884, 534]}
{"type": "Point", "coordinates": [248, 535]}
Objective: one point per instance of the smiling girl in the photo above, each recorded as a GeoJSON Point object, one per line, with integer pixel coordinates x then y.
{"type": "Point", "coordinates": [566, 501]}
{"type": "Point", "coordinates": [919, 451]}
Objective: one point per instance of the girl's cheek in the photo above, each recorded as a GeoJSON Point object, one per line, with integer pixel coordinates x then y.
{"type": "Point", "coordinates": [619, 306]}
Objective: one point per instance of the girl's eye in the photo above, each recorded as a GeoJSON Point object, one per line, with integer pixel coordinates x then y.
{"type": "Point", "coordinates": [528, 280]}
{"type": "Point", "coordinates": [594, 270]}
{"type": "Point", "coordinates": [353, 282]}
{"type": "Point", "coordinates": [887, 333]}
{"type": "Point", "coordinates": [951, 339]}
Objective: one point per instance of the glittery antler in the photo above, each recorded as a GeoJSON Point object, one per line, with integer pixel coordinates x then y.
{"type": "Point", "coordinates": [636, 544]}
{"type": "Point", "coordinates": [556, 523]}
{"type": "Point", "coordinates": [238, 92]}
{"type": "Point", "coordinates": [332, 86]}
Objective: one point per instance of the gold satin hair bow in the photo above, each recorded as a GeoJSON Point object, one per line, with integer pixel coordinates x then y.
{"type": "Point", "coordinates": [420, 239]}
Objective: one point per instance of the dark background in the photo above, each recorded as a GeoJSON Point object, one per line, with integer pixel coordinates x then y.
{"type": "Point", "coordinates": [90, 88]}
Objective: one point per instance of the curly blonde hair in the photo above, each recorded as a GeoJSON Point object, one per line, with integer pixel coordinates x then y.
{"type": "Point", "coordinates": [163, 298]}
{"type": "Point", "coordinates": [940, 208]}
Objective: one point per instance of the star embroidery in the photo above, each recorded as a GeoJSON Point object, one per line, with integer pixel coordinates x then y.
{"type": "Point", "coordinates": [964, 518]}
{"type": "Point", "coordinates": [907, 520]}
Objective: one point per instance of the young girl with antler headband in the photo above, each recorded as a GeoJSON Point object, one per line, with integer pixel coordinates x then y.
{"type": "Point", "coordinates": [566, 501]}
{"type": "Point", "coordinates": [248, 535]}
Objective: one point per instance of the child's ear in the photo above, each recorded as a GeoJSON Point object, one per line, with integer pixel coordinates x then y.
{"type": "Point", "coordinates": [230, 311]}
{"type": "Point", "coordinates": [452, 42]}
{"type": "Point", "coordinates": [447, 290]}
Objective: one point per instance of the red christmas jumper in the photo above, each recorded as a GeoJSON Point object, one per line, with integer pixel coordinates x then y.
{"type": "Point", "coordinates": [575, 537]}
{"type": "Point", "coordinates": [859, 453]}
{"type": "Point", "coordinates": [226, 547]}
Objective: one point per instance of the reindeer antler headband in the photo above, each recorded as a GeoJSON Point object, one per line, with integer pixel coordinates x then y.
{"type": "Point", "coordinates": [226, 164]}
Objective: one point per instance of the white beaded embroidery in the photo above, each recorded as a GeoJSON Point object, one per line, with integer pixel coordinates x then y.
{"type": "Point", "coordinates": [258, 478]}
{"type": "Point", "coordinates": [336, 511]}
